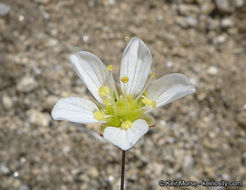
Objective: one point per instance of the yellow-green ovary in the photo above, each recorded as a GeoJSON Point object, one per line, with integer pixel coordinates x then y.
{"type": "Point", "coordinates": [123, 110]}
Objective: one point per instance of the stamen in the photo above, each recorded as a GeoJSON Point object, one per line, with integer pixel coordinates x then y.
{"type": "Point", "coordinates": [145, 93]}
{"type": "Point", "coordinates": [114, 91]}
{"type": "Point", "coordinates": [103, 91]}
{"type": "Point", "coordinates": [153, 104]}
{"type": "Point", "coordinates": [124, 79]}
{"type": "Point", "coordinates": [148, 83]}
{"type": "Point", "coordinates": [110, 67]}
{"type": "Point", "coordinates": [126, 125]}
{"type": "Point", "coordinates": [99, 115]}
{"type": "Point", "coordinates": [108, 116]}
{"type": "Point", "coordinates": [144, 109]}
{"type": "Point", "coordinates": [153, 75]}
{"type": "Point", "coordinates": [147, 101]}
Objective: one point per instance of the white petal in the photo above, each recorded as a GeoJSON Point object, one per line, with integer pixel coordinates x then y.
{"type": "Point", "coordinates": [135, 64]}
{"type": "Point", "coordinates": [169, 88]}
{"type": "Point", "coordinates": [75, 109]}
{"type": "Point", "coordinates": [92, 72]}
{"type": "Point", "coordinates": [125, 139]}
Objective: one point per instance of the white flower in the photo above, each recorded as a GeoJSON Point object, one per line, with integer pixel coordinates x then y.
{"type": "Point", "coordinates": [122, 111]}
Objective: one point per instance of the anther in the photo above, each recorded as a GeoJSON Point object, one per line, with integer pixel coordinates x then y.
{"type": "Point", "coordinates": [99, 115]}
{"type": "Point", "coordinates": [110, 67]}
{"type": "Point", "coordinates": [124, 79]}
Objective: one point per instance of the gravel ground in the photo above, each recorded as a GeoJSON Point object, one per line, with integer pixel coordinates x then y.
{"type": "Point", "coordinates": [200, 137]}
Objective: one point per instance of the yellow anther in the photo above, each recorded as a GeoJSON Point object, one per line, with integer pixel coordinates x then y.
{"type": "Point", "coordinates": [129, 97]}
{"type": "Point", "coordinates": [145, 93]}
{"type": "Point", "coordinates": [147, 101]}
{"type": "Point", "coordinates": [110, 67]}
{"type": "Point", "coordinates": [103, 91]}
{"type": "Point", "coordinates": [153, 75]}
{"type": "Point", "coordinates": [127, 38]}
{"type": "Point", "coordinates": [126, 124]}
{"type": "Point", "coordinates": [153, 104]}
{"type": "Point", "coordinates": [124, 79]}
{"type": "Point", "coordinates": [99, 115]}
{"type": "Point", "coordinates": [107, 102]}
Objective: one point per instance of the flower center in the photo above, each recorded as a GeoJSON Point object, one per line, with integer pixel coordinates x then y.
{"type": "Point", "coordinates": [122, 110]}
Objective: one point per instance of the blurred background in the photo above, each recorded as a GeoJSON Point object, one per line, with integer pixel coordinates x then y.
{"type": "Point", "coordinates": [200, 137]}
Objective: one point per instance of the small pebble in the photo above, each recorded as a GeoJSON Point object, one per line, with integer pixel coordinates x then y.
{"type": "Point", "coordinates": [194, 80]}
{"type": "Point", "coordinates": [21, 18]}
{"type": "Point", "coordinates": [24, 187]}
{"type": "Point", "coordinates": [191, 21]}
{"type": "Point", "coordinates": [16, 174]}
{"type": "Point", "coordinates": [93, 172]}
{"type": "Point", "coordinates": [223, 6]}
{"type": "Point", "coordinates": [85, 39]}
{"type": "Point", "coordinates": [42, 1]}
{"type": "Point", "coordinates": [227, 23]}
{"type": "Point", "coordinates": [52, 42]}
{"type": "Point", "coordinates": [7, 102]}
{"type": "Point", "coordinates": [49, 102]}
{"type": "Point", "coordinates": [239, 3]}
{"type": "Point", "coordinates": [212, 70]}
{"type": "Point", "coordinates": [169, 64]}
{"type": "Point", "coordinates": [163, 122]}
{"type": "Point", "coordinates": [27, 84]}
{"type": "Point", "coordinates": [38, 118]}
{"type": "Point", "coordinates": [112, 2]}
{"type": "Point", "coordinates": [188, 165]}
{"type": "Point", "coordinates": [4, 9]}
{"type": "Point", "coordinates": [4, 170]}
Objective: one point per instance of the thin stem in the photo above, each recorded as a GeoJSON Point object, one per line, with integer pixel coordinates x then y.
{"type": "Point", "coordinates": [123, 170]}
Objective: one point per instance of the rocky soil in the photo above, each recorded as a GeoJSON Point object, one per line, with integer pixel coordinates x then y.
{"type": "Point", "coordinates": [200, 137]}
